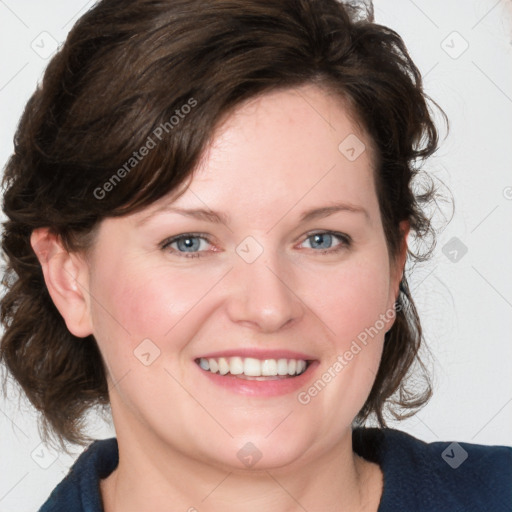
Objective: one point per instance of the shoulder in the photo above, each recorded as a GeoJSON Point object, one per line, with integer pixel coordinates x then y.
{"type": "Point", "coordinates": [79, 491]}
{"type": "Point", "coordinates": [439, 476]}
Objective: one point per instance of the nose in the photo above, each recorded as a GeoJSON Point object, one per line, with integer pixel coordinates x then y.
{"type": "Point", "coordinates": [263, 297]}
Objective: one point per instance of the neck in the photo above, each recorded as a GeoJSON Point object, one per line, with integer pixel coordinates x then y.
{"type": "Point", "coordinates": [142, 483]}
{"type": "Point", "coordinates": [154, 475]}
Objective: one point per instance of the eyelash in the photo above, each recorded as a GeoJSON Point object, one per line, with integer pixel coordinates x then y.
{"type": "Point", "coordinates": [345, 242]}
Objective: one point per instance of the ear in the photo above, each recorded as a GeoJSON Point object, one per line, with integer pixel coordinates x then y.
{"type": "Point", "coordinates": [401, 256]}
{"type": "Point", "coordinates": [66, 277]}
{"type": "Point", "coordinates": [398, 264]}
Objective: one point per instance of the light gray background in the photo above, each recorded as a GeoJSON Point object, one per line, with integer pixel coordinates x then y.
{"type": "Point", "coordinates": [465, 299]}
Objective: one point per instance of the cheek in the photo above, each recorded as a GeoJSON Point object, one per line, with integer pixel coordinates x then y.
{"type": "Point", "coordinates": [353, 305]}
{"type": "Point", "coordinates": [352, 301]}
{"type": "Point", "coordinates": [133, 302]}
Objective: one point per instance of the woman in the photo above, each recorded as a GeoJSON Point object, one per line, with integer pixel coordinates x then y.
{"type": "Point", "coordinates": [208, 207]}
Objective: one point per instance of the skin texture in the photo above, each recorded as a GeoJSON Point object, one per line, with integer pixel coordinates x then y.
{"type": "Point", "coordinates": [276, 157]}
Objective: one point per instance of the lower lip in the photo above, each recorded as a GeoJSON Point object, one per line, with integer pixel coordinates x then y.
{"type": "Point", "coordinates": [262, 388]}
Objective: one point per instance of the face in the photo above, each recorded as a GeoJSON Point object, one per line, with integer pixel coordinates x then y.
{"type": "Point", "coordinates": [272, 260]}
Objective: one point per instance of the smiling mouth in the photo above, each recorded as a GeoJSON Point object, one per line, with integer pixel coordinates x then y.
{"type": "Point", "coordinates": [250, 368]}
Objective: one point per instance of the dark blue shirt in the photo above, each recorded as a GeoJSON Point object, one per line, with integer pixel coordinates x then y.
{"type": "Point", "coordinates": [418, 476]}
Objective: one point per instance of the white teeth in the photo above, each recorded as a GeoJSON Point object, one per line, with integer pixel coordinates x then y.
{"type": "Point", "coordinates": [223, 366]}
{"type": "Point", "coordinates": [282, 367]}
{"type": "Point", "coordinates": [252, 367]}
{"type": "Point", "coordinates": [268, 367]}
{"type": "Point", "coordinates": [236, 365]}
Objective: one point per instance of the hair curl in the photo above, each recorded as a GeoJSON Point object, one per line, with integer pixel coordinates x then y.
{"type": "Point", "coordinates": [126, 67]}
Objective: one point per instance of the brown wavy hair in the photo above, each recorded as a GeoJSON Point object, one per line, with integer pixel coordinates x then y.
{"type": "Point", "coordinates": [129, 66]}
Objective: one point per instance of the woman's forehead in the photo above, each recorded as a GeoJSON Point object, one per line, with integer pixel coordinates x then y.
{"type": "Point", "coordinates": [283, 147]}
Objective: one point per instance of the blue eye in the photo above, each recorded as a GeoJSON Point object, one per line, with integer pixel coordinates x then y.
{"type": "Point", "coordinates": [190, 245]}
{"type": "Point", "coordinates": [327, 242]}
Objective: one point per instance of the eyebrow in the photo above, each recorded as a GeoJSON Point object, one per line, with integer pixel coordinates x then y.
{"type": "Point", "coordinates": [196, 213]}
{"type": "Point", "coordinates": [320, 213]}
{"type": "Point", "coordinates": [223, 218]}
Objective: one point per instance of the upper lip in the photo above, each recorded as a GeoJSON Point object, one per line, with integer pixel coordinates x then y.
{"type": "Point", "coordinates": [259, 354]}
